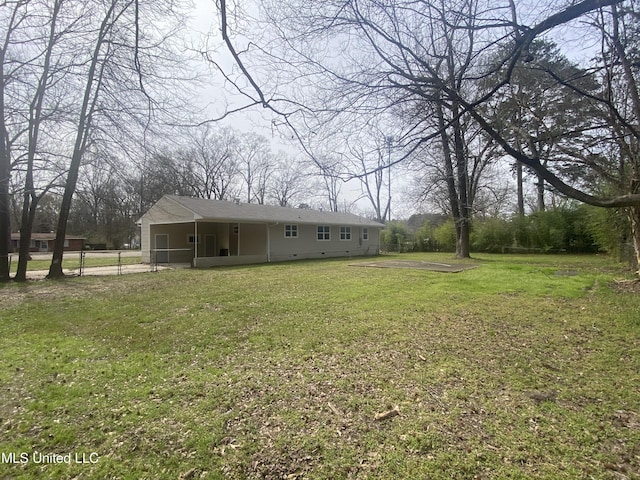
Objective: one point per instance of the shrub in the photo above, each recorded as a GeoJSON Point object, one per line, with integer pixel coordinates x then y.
{"type": "Point", "coordinates": [445, 236]}
{"type": "Point", "coordinates": [424, 239]}
{"type": "Point", "coordinates": [491, 235]}
{"type": "Point", "coordinates": [393, 237]}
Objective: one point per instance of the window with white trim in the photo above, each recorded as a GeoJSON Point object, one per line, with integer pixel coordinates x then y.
{"type": "Point", "coordinates": [345, 233]}
{"type": "Point", "coordinates": [324, 232]}
{"type": "Point", "coordinates": [365, 234]}
{"type": "Point", "coordinates": [291, 231]}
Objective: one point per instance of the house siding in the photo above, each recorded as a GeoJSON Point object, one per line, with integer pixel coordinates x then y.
{"type": "Point", "coordinates": [253, 239]}
{"type": "Point", "coordinates": [307, 245]}
{"type": "Point", "coordinates": [256, 239]}
{"type": "Point", "coordinates": [71, 244]}
{"type": "Point", "coordinates": [167, 217]}
{"type": "Point", "coordinates": [180, 251]}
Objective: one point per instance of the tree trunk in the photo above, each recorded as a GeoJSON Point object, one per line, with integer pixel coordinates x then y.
{"type": "Point", "coordinates": [55, 269]}
{"type": "Point", "coordinates": [30, 199]}
{"type": "Point", "coordinates": [26, 227]}
{"type": "Point", "coordinates": [456, 182]}
{"type": "Point", "coordinates": [463, 238]}
{"type": "Point", "coordinates": [463, 243]}
{"type": "Point", "coordinates": [540, 187]}
{"type": "Point", "coordinates": [519, 180]}
{"type": "Point", "coordinates": [90, 99]}
{"type": "Point", "coordinates": [5, 216]}
{"type": "Point", "coordinates": [634, 215]}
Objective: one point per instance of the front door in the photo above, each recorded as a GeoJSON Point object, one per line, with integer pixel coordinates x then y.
{"type": "Point", "coordinates": [162, 248]}
{"type": "Point", "coordinates": [209, 245]}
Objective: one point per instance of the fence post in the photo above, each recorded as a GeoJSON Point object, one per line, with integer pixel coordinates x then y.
{"type": "Point", "coordinates": [81, 261]}
{"type": "Point", "coordinates": [119, 263]}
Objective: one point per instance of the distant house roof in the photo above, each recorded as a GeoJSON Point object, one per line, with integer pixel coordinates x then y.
{"type": "Point", "coordinates": [46, 236]}
{"type": "Point", "coordinates": [219, 210]}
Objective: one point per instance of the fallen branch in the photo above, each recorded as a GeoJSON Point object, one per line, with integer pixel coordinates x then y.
{"type": "Point", "coordinates": [334, 409]}
{"type": "Point", "coordinates": [388, 414]}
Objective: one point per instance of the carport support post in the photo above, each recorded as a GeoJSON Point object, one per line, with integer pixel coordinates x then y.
{"type": "Point", "coordinates": [268, 242]}
{"type": "Point", "coordinates": [195, 242]}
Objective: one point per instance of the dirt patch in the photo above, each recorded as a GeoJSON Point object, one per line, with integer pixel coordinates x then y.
{"type": "Point", "coordinates": [435, 267]}
{"type": "Point", "coordinates": [626, 286]}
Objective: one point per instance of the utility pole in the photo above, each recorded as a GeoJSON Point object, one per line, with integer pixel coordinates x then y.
{"type": "Point", "coordinates": [389, 141]}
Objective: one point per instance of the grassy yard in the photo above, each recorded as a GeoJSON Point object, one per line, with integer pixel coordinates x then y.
{"type": "Point", "coordinates": [527, 367]}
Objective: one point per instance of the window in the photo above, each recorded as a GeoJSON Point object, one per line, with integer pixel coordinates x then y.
{"type": "Point", "coordinates": [324, 232]}
{"type": "Point", "coordinates": [365, 234]}
{"type": "Point", "coordinates": [345, 233]}
{"type": "Point", "coordinates": [192, 239]}
{"type": "Point", "coordinates": [291, 231]}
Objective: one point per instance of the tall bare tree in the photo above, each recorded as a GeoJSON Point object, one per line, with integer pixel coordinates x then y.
{"type": "Point", "coordinates": [101, 53]}
{"type": "Point", "coordinates": [75, 77]}
{"type": "Point", "coordinates": [387, 62]}
{"type": "Point", "coordinates": [372, 163]}
{"type": "Point", "coordinates": [255, 165]}
{"type": "Point", "coordinates": [288, 181]}
{"type": "Point", "coordinates": [37, 115]}
{"type": "Point", "coordinates": [117, 91]}
{"type": "Point", "coordinates": [11, 19]}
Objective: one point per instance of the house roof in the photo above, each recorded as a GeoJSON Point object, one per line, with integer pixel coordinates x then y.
{"type": "Point", "coordinates": [219, 210]}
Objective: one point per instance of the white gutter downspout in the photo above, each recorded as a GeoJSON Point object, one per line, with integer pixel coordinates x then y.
{"type": "Point", "coordinates": [195, 257]}
{"type": "Point", "coordinates": [269, 240]}
{"type": "Point", "coordinates": [268, 243]}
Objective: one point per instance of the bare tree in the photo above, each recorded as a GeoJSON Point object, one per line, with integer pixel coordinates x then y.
{"type": "Point", "coordinates": [92, 89]}
{"type": "Point", "coordinates": [387, 63]}
{"type": "Point", "coordinates": [372, 164]}
{"type": "Point", "coordinates": [287, 184]}
{"type": "Point", "coordinates": [11, 20]}
{"type": "Point", "coordinates": [31, 82]}
{"type": "Point", "coordinates": [213, 164]}
{"type": "Point", "coordinates": [115, 91]}
{"type": "Point", "coordinates": [75, 77]}
{"type": "Point", "coordinates": [254, 158]}
{"type": "Point", "coordinates": [36, 117]}
{"type": "Point", "coordinates": [103, 207]}
{"type": "Point", "coordinates": [330, 181]}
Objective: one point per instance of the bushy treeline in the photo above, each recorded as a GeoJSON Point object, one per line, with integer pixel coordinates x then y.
{"type": "Point", "coordinates": [572, 228]}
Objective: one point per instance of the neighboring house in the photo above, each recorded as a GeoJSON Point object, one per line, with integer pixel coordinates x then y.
{"type": "Point", "coordinates": [213, 232]}
{"type": "Point", "coordinates": [43, 242]}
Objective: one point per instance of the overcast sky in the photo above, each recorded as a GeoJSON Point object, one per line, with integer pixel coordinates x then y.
{"type": "Point", "coordinates": [203, 27]}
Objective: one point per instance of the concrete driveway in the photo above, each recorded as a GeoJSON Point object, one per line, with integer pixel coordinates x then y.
{"type": "Point", "coordinates": [103, 270]}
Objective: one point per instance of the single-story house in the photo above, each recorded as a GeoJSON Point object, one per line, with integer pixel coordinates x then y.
{"type": "Point", "coordinates": [208, 233]}
{"type": "Point", "coordinates": [43, 242]}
